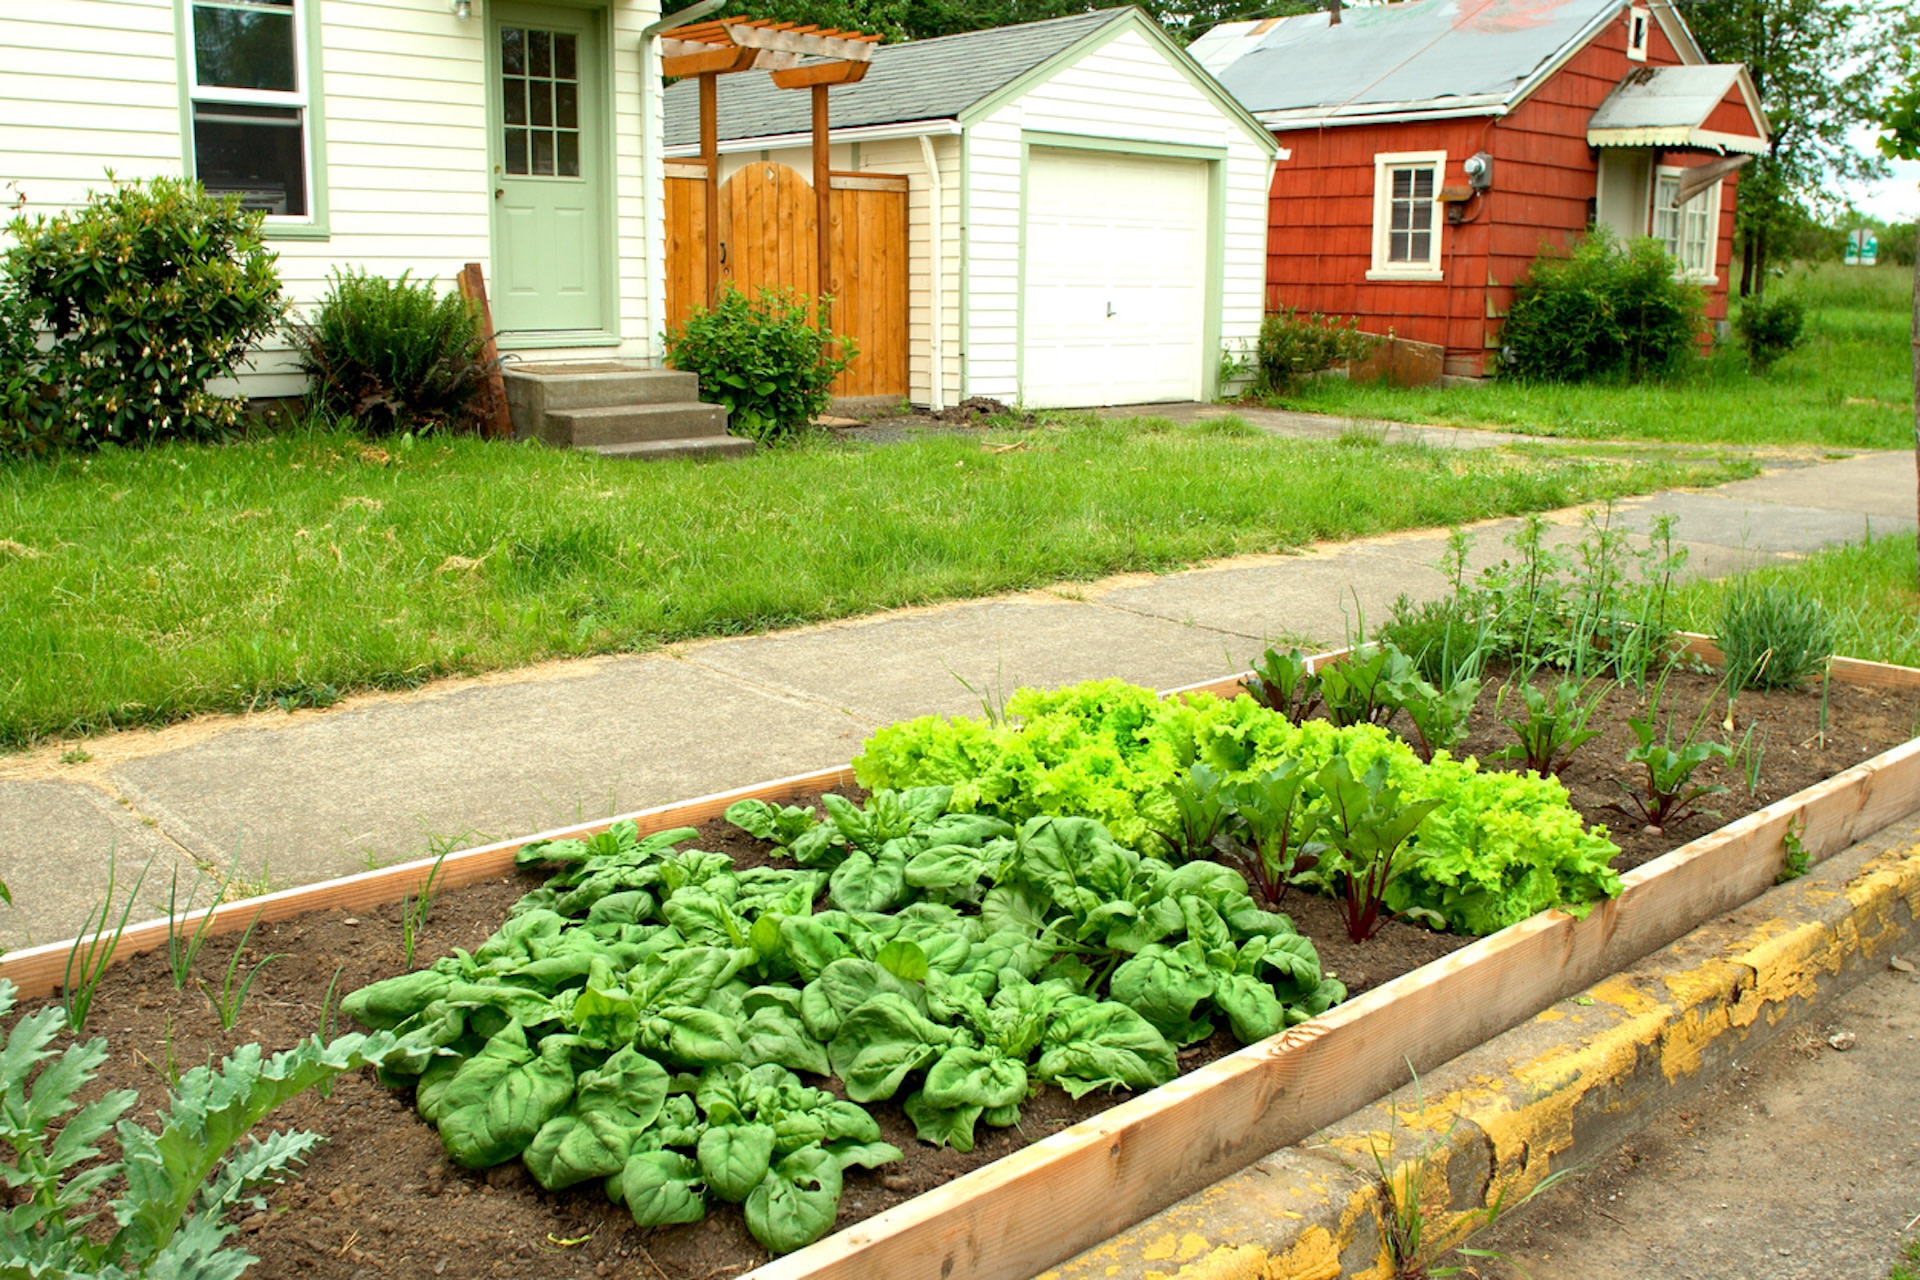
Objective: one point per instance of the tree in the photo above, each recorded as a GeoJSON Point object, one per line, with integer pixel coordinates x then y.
{"type": "Point", "coordinates": [1818, 67]}
{"type": "Point", "coordinates": [922, 19]}
{"type": "Point", "coordinates": [1899, 120]}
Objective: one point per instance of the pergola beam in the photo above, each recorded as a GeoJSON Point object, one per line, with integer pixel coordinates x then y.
{"type": "Point", "coordinates": [818, 75]}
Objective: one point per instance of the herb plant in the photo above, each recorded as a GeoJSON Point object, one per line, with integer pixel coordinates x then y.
{"type": "Point", "coordinates": [180, 1181]}
{"type": "Point", "coordinates": [232, 992]}
{"type": "Point", "coordinates": [1282, 682]}
{"type": "Point", "coordinates": [1272, 814]}
{"type": "Point", "coordinates": [1668, 792]}
{"type": "Point", "coordinates": [1773, 638]}
{"type": "Point", "coordinates": [1368, 822]}
{"type": "Point", "coordinates": [1554, 726]}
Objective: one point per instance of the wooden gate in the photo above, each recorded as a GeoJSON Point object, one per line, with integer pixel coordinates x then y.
{"type": "Point", "coordinates": [767, 238]}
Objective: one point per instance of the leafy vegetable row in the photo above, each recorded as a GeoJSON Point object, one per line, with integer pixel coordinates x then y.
{"type": "Point", "coordinates": [1494, 849]}
{"type": "Point", "coordinates": [639, 1019]}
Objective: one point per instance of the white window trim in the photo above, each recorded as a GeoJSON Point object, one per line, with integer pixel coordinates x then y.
{"type": "Point", "coordinates": [1384, 163]}
{"type": "Point", "coordinates": [1641, 21]}
{"type": "Point", "coordinates": [1711, 275]}
{"type": "Point", "coordinates": [301, 98]}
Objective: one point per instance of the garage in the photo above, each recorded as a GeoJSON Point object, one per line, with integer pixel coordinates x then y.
{"type": "Point", "coordinates": [1086, 207]}
{"type": "Point", "coordinates": [1115, 279]}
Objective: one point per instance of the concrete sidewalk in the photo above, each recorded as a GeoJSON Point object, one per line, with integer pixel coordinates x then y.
{"type": "Point", "coordinates": [305, 796]}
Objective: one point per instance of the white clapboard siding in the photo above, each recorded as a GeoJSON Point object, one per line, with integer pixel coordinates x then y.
{"type": "Point", "coordinates": [1124, 88]}
{"type": "Point", "coordinates": [92, 85]}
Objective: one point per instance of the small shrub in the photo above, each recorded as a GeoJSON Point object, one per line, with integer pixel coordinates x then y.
{"type": "Point", "coordinates": [138, 301]}
{"type": "Point", "coordinates": [391, 353]}
{"type": "Point", "coordinates": [768, 360]}
{"type": "Point", "coordinates": [1601, 311]}
{"type": "Point", "coordinates": [1291, 347]}
{"type": "Point", "coordinates": [1769, 325]}
{"type": "Point", "coordinates": [1772, 637]}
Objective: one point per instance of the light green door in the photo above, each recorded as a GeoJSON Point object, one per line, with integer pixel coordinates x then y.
{"type": "Point", "coordinates": [547, 104]}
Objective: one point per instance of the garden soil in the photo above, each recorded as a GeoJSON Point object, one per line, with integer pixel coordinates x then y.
{"type": "Point", "coordinates": [381, 1199]}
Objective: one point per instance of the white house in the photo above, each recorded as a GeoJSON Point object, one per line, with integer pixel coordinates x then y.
{"type": "Point", "coordinates": [394, 135]}
{"type": "Point", "coordinates": [1087, 209]}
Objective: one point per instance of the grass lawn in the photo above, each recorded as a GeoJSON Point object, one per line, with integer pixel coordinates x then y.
{"type": "Point", "coordinates": [1868, 588]}
{"type": "Point", "coordinates": [1850, 383]}
{"type": "Point", "coordinates": [144, 587]}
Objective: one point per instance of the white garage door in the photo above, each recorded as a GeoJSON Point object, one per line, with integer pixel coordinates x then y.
{"type": "Point", "coordinates": [1116, 252]}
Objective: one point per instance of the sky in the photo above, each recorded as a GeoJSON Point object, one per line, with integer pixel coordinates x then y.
{"type": "Point", "coordinates": [1892, 199]}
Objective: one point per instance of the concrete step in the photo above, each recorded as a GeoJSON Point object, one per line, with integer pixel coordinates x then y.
{"type": "Point", "coordinates": [633, 424]}
{"type": "Point", "coordinates": [534, 390]}
{"type": "Point", "coordinates": [714, 447]}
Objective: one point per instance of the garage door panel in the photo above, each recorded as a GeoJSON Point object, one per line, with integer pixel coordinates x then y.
{"type": "Point", "coordinates": [1115, 280]}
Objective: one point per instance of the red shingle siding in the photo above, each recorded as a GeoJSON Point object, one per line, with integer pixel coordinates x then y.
{"type": "Point", "coordinates": [1320, 234]}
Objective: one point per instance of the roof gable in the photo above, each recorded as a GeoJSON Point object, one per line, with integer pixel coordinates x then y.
{"type": "Point", "coordinates": [937, 79]}
{"type": "Point", "coordinates": [1671, 106]}
{"type": "Point", "coordinates": [1428, 55]}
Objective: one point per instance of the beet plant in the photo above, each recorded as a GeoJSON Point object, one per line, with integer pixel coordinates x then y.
{"type": "Point", "coordinates": [1363, 838]}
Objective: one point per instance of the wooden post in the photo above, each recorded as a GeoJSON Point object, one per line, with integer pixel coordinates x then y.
{"type": "Point", "coordinates": [473, 287]}
{"type": "Point", "coordinates": [710, 155]}
{"type": "Point", "coordinates": [822, 195]}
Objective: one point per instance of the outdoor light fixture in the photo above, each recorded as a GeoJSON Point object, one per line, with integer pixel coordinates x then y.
{"type": "Point", "coordinates": [462, 9]}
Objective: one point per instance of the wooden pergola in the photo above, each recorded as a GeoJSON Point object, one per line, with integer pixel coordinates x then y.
{"type": "Point", "coordinates": [709, 50]}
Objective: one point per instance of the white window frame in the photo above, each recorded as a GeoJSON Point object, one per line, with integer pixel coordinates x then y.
{"type": "Point", "coordinates": [1384, 164]}
{"type": "Point", "coordinates": [1639, 33]}
{"type": "Point", "coordinates": [301, 97]}
{"type": "Point", "coordinates": [1702, 210]}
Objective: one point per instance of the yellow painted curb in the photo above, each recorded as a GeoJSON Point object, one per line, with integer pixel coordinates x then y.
{"type": "Point", "coordinates": [1487, 1129]}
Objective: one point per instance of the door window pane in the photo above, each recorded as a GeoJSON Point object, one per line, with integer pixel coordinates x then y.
{"type": "Point", "coordinates": [254, 152]}
{"type": "Point", "coordinates": [245, 48]}
{"type": "Point", "coordinates": [540, 96]}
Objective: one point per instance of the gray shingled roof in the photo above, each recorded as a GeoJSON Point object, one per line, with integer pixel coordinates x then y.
{"type": "Point", "coordinates": [919, 80]}
{"type": "Point", "coordinates": [1437, 53]}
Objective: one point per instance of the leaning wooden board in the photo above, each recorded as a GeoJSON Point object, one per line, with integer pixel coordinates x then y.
{"type": "Point", "coordinates": [1049, 1201]}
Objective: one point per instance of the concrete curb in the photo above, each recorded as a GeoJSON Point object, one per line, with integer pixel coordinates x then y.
{"type": "Point", "coordinates": [1556, 1092]}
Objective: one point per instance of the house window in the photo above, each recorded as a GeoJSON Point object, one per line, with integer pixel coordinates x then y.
{"type": "Point", "coordinates": [1637, 28]}
{"type": "Point", "coordinates": [250, 104]}
{"type": "Point", "coordinates": [1687, 230]}
{"type": "Point", "coordinates": [1406, 216]}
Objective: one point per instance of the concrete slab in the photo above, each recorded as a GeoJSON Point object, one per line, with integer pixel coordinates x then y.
{"type": "Point", "coordinates": [1320, 426]}
{"type": "Point", "coordinates": [912, 664]}
{"type": "Point", "coordinates": [56, 840]}
{"type": "Point", "coordinates": [337, 793]}
{"type": "Point", "coordinates": [1881, 485]}
{"type": "Point", "coordinates": [1724, 521]}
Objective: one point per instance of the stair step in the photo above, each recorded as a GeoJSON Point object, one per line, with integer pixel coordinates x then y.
{"type": "Point", "coordinates": [714, 447]}
{"type": "Point", "coordinates": [634, 424]}
{"type": "Point", "coordinates": [547, 387]}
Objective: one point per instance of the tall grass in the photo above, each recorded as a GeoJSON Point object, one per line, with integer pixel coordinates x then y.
{"type": "Point", "coordinates": [1867, 588]}
{"type": "Point", "coordinates": [142, 587]}
{"type": "Point", "coordinates": [1848, 385]}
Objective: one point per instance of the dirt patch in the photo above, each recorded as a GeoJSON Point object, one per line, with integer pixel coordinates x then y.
{"type": "Point", "coordinates": [382, 1199]}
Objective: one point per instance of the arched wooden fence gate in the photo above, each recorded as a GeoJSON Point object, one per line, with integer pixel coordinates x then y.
{"type": "Point", "coordinates": [767, 237]}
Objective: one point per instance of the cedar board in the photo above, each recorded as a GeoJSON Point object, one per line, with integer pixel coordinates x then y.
{"type": "Point", "coordinates": [1049, 1201]}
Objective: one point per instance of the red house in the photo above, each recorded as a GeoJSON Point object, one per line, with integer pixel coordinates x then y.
{"type": "Point", "coordinates": [1432, 149]}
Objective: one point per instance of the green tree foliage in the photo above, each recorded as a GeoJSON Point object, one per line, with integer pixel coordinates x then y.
{"type": "Point", "coordinates": [923, 19]}
{"type": "Point", "coordinates": [1899, 120]}
{"type": "Point", "coordinates": [1818, 66]}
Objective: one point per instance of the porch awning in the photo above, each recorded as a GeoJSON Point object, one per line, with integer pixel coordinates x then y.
{"type": "Point", "coordinates": [1673, 107]}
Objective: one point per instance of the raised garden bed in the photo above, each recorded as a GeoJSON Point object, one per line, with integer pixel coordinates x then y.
{"type": "Point", "coordinates": [382, 1199]}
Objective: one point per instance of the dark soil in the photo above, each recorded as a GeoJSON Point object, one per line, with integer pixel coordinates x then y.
{"type": "Point", "coordinates": [381, 1199]}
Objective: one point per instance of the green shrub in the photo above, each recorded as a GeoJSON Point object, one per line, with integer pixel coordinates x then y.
{"type": "Point", "coordinates": [391, 354]}
{"type": "Point", "coordinates": [23, 400]}
{"type": "Point", "coordinates": [769, 361]}
{"type": "Point", "coordinates": [1601, 311]}
{"type": "Point", "coordinates": [1773, 638]}
{"type": "Point", "coordinates": [140, 299]}
{"type": "Point", "coordinates": [1769, 325]}
{"type": "Point", "coordinates": [1291, 347]}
